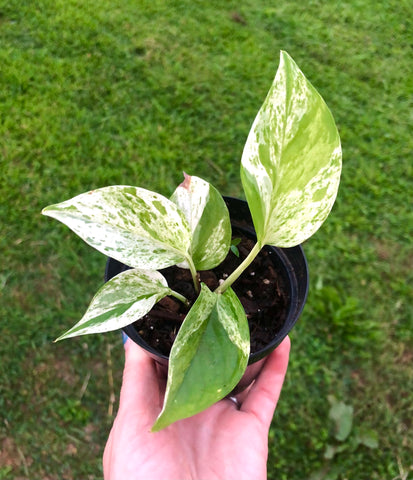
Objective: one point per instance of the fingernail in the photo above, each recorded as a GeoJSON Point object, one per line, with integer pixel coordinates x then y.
{"type": "Point", "coordinates": [124, 337]}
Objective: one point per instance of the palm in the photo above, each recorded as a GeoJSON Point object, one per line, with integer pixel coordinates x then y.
{"type": "Point", "coordinates": [220, 443]}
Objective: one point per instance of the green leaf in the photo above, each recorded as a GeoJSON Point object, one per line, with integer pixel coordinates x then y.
{"type": "Point", "coordinates": [368, 438]}
{"type": "Point", "coordinates": [138, 227]}
{"type": "Point", "coordinates": [208, 357]}
{"type": "Point", "coordinates": [234, 248]}
{"type": "Point", "coordinates": [121, 301]}
{"type": "Point", "coordinates": [208, 218]}
{"type": "Point", "coordinates": [330, 452]}
{"type": "Point", "coordinates": [342, 416]}
{"type": "Point", "coordinates": [291, 164]}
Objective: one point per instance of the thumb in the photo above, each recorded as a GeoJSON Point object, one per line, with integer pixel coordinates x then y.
{"type": "Point", "coordinates": [265, 392]}
{"type": "Point", "coordinates": [140, 388]}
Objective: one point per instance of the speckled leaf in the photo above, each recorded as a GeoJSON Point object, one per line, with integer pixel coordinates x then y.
{"type": "Point", "coordinates": [121, 301]}
{"type": "Point", "coordinates": [138, 227]}
{"type": "Point", "coordinates": [208, 357]}
{"type": "Point", "coordinates": [208, 218]}
{"type": "Point", "coordinates": [291, 162]}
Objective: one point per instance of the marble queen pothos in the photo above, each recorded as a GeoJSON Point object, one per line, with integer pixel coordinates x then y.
{"type": "Point", "coordinates": [290, 172]}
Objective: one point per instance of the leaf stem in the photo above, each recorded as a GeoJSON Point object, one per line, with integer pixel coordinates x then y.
{"type": "Point", "coordinates": [237, 272]}
{"type": "Point", "coordinates": [194, 274]}
{"type": "Point", "coordinates": [179, 297]}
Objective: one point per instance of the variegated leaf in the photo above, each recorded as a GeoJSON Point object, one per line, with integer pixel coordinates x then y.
{"type": "Point", "coordinates": [291, 162]}
{"type": "Point", "coordinates": [140, 228]}
{"type": "Point", "coordinates": [121, 301]}
{"type": "Point", "coordinates": [208, 218]}
{"type": "Point", "coordinates": [208, 358]}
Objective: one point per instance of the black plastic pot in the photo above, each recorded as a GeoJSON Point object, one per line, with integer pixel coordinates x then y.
{"type": "Point", "coordinates": [291, 265]}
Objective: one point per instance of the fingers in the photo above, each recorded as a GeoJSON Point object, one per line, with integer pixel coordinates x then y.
{"type": "Point", "coordinates": [264, 394]}
{"type": "Point", "coordinates": [140, 390]}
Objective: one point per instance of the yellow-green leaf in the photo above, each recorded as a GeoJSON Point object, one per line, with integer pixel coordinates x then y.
{"type": "Point", "coordinates": [140, 228]}
{"type": "Point", "coordinates": [208, 218]}
{"type": "Point", "coordinates": [291, 162]}
{"type": "Point", "coordinates": [121, 301]}
{"type": "Point", "coordinates": [208, 357]}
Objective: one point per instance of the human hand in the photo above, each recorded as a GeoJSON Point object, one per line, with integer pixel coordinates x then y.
{"type": "Point", "coordinates": [223, 442]}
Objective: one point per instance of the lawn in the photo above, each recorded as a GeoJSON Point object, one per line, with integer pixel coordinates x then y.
{"type": "Point", "coordinates": [124, 92]}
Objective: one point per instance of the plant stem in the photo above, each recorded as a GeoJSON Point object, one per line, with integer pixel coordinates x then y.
{"type": "Point", "coordinates": [237, 272]}
{"type": "Point", "coordinates": [194, 274]}
{"type": "Point", "coordinates": [179, 297]}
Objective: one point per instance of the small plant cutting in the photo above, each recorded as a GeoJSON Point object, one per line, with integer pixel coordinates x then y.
{"type": "Point", "coordinates": [290, 172]}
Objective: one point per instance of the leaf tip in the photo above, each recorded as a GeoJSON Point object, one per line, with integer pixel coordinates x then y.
{"type": "Point", "coordinates": [159, 424]}
{"type": "Point", "coordinates": [187, 181]}
{"type": "Point", "coordinates": [63, 336]}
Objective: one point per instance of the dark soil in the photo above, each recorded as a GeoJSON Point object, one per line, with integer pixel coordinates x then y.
{"type": "Point", "coordinates": [260, 289]}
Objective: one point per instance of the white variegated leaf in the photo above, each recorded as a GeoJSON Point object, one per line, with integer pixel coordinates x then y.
{"type": "Point", "coordinates": [208, 218]}
{"type": "Point", "coordinates": [140, 228]}
{"type": "Point", "coordinates": [125, 298]}
{"type": "Point", "coordinates": [208, 358]}
{"type": "Point", "coordinates": [291, 163]}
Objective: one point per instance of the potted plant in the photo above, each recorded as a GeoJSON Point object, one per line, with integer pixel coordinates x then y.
{"type": "Point", "coordinates": [290, 172]}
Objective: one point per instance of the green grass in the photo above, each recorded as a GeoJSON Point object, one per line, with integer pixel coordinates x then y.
{"type": "Point", "coordinates": [122, 92]}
